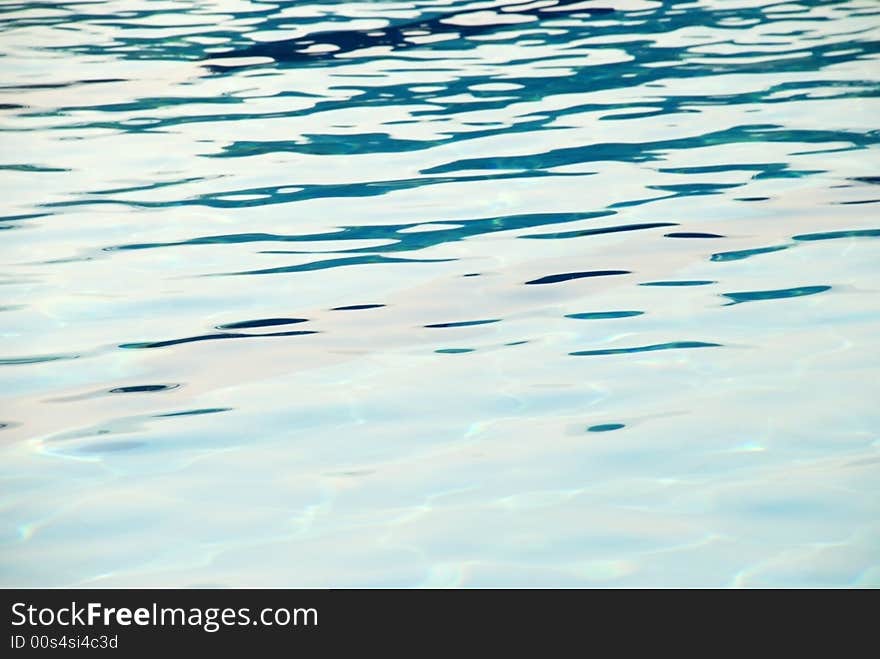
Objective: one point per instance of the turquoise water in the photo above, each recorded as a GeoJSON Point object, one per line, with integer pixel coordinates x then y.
{"type": "Point", "coordinates": [440, 293]}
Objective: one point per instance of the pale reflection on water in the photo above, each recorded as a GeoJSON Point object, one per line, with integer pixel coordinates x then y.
{"type": "Point", "coordinates": [583, 300]}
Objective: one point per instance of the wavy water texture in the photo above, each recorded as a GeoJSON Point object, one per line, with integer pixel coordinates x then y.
{"type": "Point", "coordinates": [450, 205]}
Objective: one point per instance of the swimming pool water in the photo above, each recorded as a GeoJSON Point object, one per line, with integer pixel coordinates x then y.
{"type": "Point", "coordinates": [440, 293]}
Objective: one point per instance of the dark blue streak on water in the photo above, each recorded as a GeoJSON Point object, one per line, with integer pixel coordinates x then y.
{"type": "Point", "coordinates": [357, 307]}
{"type": "Point", "coordinates": [604, 315]}
{"type": "Point", "coordinates": [211, 337]}
{"type": "Point", "coordinates": [605, 427]}
{"type": "Point", "coordinates": [26, 216]}
{"type": "Point", "coordinates": [568, 276]}
{"type": "Point", "coordinates": [683, 282]}
{"type": "Point", "coordinates": [463, 323]}
{"type": "Point", "coordinates": [738, 255]}
{"type": "Point", "coordinates": [675, 345]}
{"type": "Point", "coordinates": [16, 361]}
{"type": "Point", "coordinates": [331, 263]}
{"type": "Point", "coordinates": [833, 235]}
{"type": "Point", "coordinates": [741, 254]}
{"type": "Point", "coordinates": [198, 412]}
{"type": "Point", "coordinates": [265, 322]}
{"type": "Point", "coordinates": [32, 168]}
{"type": "Point", "coordinates": [144, 388]}
{"type": "Point", "coordinates": [755, 296]}
{"type": "Point", "coordinates": [602, 230]}
{"type": "Point", "coordinates": [692, 234]}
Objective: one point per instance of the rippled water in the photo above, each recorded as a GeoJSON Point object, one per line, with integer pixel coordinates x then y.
{"type": "Point", "coordinates": [427, 293]}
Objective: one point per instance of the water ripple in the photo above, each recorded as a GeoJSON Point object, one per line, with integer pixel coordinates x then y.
{"type": "Point", "coordinates": [753, 296]}
{"type": "Point", "coordinates": [445, 200]}
{"type": "Point", "coordinates": [210, 337]}
{"type": "Point", "coordinates": [674, 345]}
{"type": "Point", "coordinates": [568, 276]}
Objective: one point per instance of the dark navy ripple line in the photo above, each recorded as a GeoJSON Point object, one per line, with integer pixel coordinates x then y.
{"type": "Point", "coordinates": [568, 276]}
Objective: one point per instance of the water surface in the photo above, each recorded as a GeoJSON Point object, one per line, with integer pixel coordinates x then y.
{"type": "Point", "coordinates": [439, 293]}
